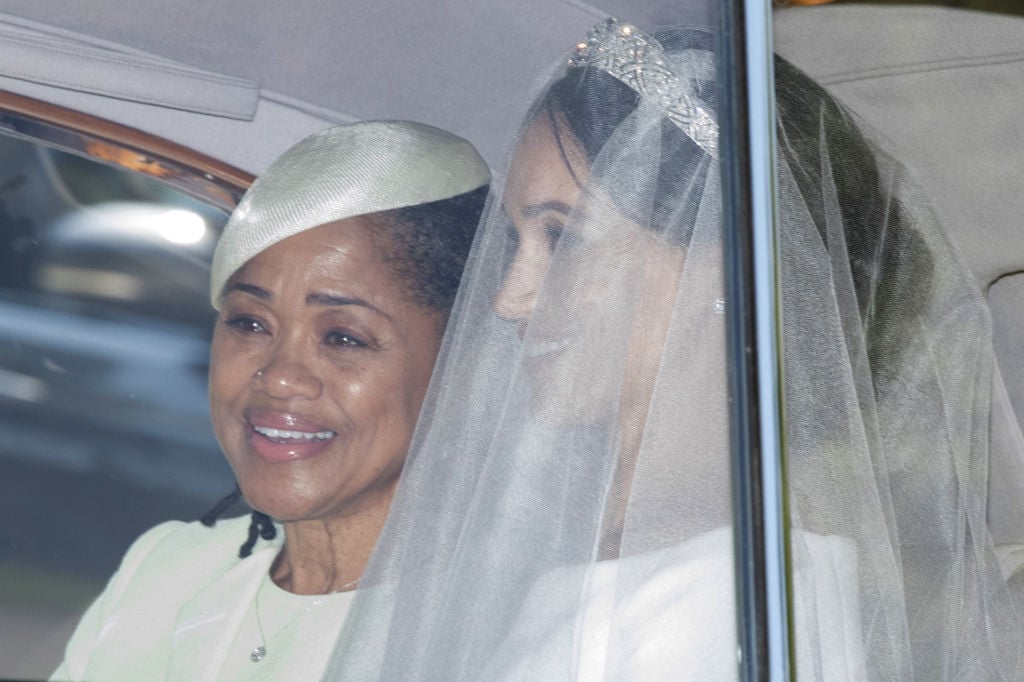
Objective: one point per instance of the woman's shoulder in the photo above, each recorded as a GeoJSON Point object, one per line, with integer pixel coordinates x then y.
{"type": "Point", "coordinates": [178, 538]}
{"type": "Point", "coordinates": [191, 552]}
{"type": "Point", "coordinates": [169, 569]}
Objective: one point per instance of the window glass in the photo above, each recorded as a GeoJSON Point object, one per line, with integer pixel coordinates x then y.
{"type": "Point", "coordinates": [104, 340]}
{"type": "Point", "coordinates": [901, 313]}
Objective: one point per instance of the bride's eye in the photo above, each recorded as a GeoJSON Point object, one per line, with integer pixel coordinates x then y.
{"type": "Point", "coordinates": [511, 248]}
{"type": "Point", "coordinates": [557, 234]}
{"type": "Point", "coordinates": [511, 236]}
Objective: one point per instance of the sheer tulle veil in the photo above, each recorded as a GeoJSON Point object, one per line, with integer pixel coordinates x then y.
{"type": "Point", "coordinates": [564, 512]}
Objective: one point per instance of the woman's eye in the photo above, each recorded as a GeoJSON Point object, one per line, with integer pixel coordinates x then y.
{"type": "Point", "coordinates": [344, 340]}
{"type": "Point", "coordinates": [244, 324]}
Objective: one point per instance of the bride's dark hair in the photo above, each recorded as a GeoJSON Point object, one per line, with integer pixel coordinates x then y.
{"type": "Point", "coordinates": [889, 261]}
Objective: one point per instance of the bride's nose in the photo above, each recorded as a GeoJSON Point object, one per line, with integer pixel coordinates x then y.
{"type": "Point", "coordinates": [517, 297]}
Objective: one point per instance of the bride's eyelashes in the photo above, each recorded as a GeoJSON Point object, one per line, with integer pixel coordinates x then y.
{"type": "Point", "coordinates": [558, 236]}
{"type": "Point", "coordinates": [511, 248]}
{"type": "Point", "coordinates": [553, 231]}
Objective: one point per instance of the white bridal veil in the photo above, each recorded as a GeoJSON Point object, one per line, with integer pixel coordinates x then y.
{"type": "Point", "coordinates": [565, 509]}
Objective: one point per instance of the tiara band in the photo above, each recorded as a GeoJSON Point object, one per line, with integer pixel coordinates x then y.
{"type": "Point", "coordinates": [627, 54]}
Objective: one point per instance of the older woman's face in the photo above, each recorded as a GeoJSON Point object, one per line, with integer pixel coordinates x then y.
{"type": "Point", "coordinates": [607, 284]}
{"type": "Point", "coordinates": [318, 369]}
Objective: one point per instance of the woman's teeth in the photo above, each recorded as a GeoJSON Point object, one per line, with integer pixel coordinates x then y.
{"type": "Point", "coordinates": [292, 435]}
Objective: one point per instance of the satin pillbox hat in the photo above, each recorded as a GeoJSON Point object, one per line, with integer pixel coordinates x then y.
{"type": "Point", "coordinates": [341, 172]}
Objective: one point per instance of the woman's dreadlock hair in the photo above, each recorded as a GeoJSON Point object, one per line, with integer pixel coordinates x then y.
{"type": "Point", "coordinates": [261, 525]}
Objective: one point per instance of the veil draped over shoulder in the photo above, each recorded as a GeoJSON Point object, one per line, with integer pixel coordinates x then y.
{"type": "Point", "coordinates": [565, 509]}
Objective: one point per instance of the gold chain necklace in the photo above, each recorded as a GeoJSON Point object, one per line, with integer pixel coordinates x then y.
{"type": "Point", "coordinates": [259, 652]}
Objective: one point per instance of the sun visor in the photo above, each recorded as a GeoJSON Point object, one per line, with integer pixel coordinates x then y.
{"type": "Point", "coordinates": [41, 55]}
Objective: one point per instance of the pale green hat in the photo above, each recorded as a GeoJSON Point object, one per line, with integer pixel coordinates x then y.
{"type": "Point", "coordinates": [345, 171]}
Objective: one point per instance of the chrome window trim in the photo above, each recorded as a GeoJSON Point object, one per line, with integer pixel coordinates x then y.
{"type": "Point", "coordinates": [754, 344]}
{"type": "Point", "coordinates": [109, 143]}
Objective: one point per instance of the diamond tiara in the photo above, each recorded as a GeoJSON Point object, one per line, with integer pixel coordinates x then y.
{"type": "Point", "coordinates": [625, 53]}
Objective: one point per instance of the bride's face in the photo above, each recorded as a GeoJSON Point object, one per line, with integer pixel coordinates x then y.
{"type": "Point", "coordinates": [590, 290]}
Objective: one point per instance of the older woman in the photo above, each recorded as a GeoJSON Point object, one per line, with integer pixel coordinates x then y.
{"type": "Point", "coordinates": [565, 512]}
{"type": "Point", "coordinates": [333, 280]}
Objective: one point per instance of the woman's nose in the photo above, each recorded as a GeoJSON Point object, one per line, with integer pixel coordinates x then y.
{"type": "Point", "coordinates": [288, 374]}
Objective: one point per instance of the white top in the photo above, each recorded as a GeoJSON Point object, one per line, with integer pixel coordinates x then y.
{"type": "Point", "coordinates": [670, 615]}
{"type": "Point", "coordinates": [298, 634]}
{"type": "Point", "coordinates": [182, 606]}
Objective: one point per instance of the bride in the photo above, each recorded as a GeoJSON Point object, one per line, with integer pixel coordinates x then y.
{"type": "Point", "coordinates": [565, 511]}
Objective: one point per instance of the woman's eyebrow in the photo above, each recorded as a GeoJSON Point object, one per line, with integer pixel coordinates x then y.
{"type": "Point", "coordinates": [534, 210]}
{"type": "Point", "coordinates": [320, 298]}
{"type": "Point", "coordinates": [251, 289]}
{"type": "Point", "coordinates": [315, 298]}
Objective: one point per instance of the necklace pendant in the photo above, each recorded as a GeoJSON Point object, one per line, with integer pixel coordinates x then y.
{"type": "Point", "coordinates": [258, 654]}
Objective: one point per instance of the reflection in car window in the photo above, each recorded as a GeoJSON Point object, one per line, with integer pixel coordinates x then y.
{"type": "Point", "coordinates": [104, 335]}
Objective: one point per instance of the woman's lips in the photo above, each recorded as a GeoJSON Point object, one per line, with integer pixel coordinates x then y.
{"type": "Point", "coordinates": [285, 438]}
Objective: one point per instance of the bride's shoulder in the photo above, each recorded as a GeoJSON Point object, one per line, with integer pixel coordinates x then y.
{"type": "Point", "coordinates": [668, 613]}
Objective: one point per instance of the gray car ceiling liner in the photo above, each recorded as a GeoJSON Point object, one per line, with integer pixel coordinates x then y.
{"type": "Point", "coordinates": [64, 60]}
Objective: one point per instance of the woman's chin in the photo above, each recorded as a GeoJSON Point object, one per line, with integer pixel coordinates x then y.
{"type": "Point", "coordinates": [280, 501]}
{"type": "Point", "coordinates": [313, 497]}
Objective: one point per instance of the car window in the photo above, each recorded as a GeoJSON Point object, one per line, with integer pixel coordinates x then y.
{"type": "Point", "coordinates": [104, 340]}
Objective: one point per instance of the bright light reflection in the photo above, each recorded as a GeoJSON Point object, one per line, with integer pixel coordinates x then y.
{"type": "Point", "coordinates": [21, 387]}
{"type": "Point", "coordinates": [180, 226]}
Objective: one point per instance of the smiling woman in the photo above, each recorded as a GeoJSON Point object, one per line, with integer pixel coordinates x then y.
{"type": "Point", "coordinates": [317, 375]}
{"type": "Point", "coordinates": [333, 281]}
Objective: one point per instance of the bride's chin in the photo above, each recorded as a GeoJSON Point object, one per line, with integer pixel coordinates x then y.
{"type": "Point", "coordinates": [556, 404]}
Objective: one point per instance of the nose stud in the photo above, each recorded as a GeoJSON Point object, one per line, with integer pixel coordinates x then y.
{"type": "Point", "coordinates": [286, 380]}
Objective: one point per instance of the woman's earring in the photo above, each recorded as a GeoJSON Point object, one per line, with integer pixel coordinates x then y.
{"type": "Point", "coordinates": [720, 305]}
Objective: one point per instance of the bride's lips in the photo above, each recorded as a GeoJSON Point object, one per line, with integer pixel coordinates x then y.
{"type": "Point", "coordinates": [539, 349]}
{"type": "Point", "coordinates": [283, 437]}
{"type": "Point", "coordinates": [541, 357]}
